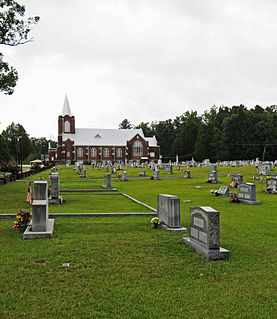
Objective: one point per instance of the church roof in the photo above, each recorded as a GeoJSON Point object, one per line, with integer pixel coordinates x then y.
{"type": "Point", "coordinates": [99, 137]}
{"type": "Point", "coordinates": [66, 109]}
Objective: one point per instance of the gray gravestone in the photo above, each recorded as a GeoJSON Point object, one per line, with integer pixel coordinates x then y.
{"type": "Point", "coordinates": [204, 233]}
{"type": "Point", "coordinates": [124, 176]}
{"type": "Point", "coordinates": [55, 184]}
{"type": "Point", "coordinates": [271, 185]}
{"type": "Point", "coordinates": [168, 169]}
{"type": "Point", "coordinates": [41, 226]}
{"type": "Point", "coordinates": [213, 168]}
{"type": "Point", "coordinates": [156, 175]}
{"type": "Point", "coordinates": [247, 193]}
{"type": "Point", "coordinates": [263, 170]}
{"type": "Point", "coordinates": [40, 190]}
{"type": "Point", "coordinates": [107, 179]}
{"type": "Point", "coordinates": [168, 211]}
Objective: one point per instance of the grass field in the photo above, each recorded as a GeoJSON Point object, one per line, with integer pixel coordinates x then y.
{"type": "Point", "coordinates": [123, 268]}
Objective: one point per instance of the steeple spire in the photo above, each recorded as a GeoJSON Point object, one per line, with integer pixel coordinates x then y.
{"type": "Point", "coordinates": [66, 108]}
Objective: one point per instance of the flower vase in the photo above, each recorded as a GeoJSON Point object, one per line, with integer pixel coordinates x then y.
{"type": "Point", "coordinates": [156, 225]}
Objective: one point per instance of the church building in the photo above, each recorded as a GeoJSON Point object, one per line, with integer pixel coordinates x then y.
{"type": "Point", "coordinates": [92, 145]}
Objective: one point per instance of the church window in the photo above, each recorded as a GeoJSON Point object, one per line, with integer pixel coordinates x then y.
{"type": "Point", "coordinates": [93, 152]}
{"type": "Point", "coordinates": [106, 152]}
{"type": "Point", "coordinates": [67, 154]}
{"type": "Point", "coordinates": [80, 152]}
{"type": "Point", "coordinates": [67, 127]}
{"type": "Point", "coordinates": [118, 152]}
{"type": "Point", "coordinates": [137, 148]}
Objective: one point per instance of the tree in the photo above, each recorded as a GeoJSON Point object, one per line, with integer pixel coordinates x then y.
{"type": "Point", "coordinates": [4, 151]}
{"type": "Point", "coordinates": [14, 30]}
{"type": "Point", "coordinates": [125, 124]}
{"type": "Point", "coordinates": [11, 134]}
{"type": "Point", "coordinates": [147, 130]}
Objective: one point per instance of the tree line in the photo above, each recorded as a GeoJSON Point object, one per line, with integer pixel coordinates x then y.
{"type": "Point", "coordinates": [224, 133]}
{"type": "Point", "coordinates": [14, 142]}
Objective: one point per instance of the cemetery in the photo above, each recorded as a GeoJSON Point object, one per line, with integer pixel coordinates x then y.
{"type": "Point", "coordinates": [122, 255]}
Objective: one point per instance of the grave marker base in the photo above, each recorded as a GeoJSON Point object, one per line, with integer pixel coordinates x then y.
{"type": "Point", "coordinates": [29, 234]}
{"type": "Point", "coordinates": [174, 229]}
{"type": "Point", "coordinates": [250, 202]}
{"type": "Point", "coordinates": [209, 254]}
{"type": "Point", "coordinates": [55, 200]}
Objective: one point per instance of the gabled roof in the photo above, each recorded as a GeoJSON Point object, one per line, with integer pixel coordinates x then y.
{"type": "Point", "coordinates": [66, 109]}
{"type": "Point", "coordinates": [98, 137]}
{"type": "Point", "coordinates": [152, 141]}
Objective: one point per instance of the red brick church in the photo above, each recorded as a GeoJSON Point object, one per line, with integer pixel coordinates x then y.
{"type": "Point", "coordinates": [92, 145]}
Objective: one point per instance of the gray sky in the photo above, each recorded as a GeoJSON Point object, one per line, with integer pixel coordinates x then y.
{"type": "Point", "coordinates": [144, 60]}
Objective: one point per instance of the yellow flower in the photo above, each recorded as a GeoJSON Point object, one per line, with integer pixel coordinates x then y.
{"type": "Point", "coordinates": [17, 216]}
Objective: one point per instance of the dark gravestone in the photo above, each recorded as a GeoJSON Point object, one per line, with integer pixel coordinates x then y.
{"type": "Point", "coordinates": [212, 176]}
{"type": "Point", "coordinates": [204, 233]}
{"type": "Point", "coordinates": [247, 193]}
{"type": "Point", "coordinates": [168, 210]}
{"type": "Point", "coordinates": [55, 183]}
{"type": "Point", "coordinates": [187, 174]}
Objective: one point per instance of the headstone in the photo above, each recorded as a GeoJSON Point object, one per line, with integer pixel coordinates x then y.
{"type": "Point", "coordinates": [213, 168]}
{"type": "Point", "coordinates": [212, 176]}
{"type": "Point", "coordinates": [204, 233]}
{"type": "Point", "coordinates": [187, 174]}
{"type": "Point", "coordinates": [223, 191]}
{"type": "Point", "coordinates": [41, 226]}
{"type": "Point", "coordinates": [107, 179]}
{"type": "Point", "coordinates": [263, 170]}
{"type": "Point", "coordinates": [124, 176]}
{"type": "Point", "coordinates": [143, 173]}
{"type": "Point", "coordinates": [168, 169]}
{"type": "Point", "coordinates": [237, 178]}
{"type": "Point", "coordinates": [247, 193]}
{"type": "Point", "coordinates": [168, 210]}
{"type": "Point", "coordinates": [40, 190]}
{"type": "Point", "coordinates": [271, 185]}
{"type": "Point", "coordinates": [156, 175]}
{"type": "Point", "coordinates": [55, 184]}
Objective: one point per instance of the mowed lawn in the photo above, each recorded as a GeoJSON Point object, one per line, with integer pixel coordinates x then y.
{"type": "Point", "coordinates": [123, 268]}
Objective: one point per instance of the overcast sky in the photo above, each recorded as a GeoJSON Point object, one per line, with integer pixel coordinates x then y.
{"type": "Point", "coordinates": [144, 60]}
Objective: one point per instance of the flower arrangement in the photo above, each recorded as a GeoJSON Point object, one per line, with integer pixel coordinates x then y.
{"type": "Point", "coordinates": [119, 176]}
{"type": "Point", "coordinates": [234, 198]}
{"type": "Point", "coordinates": [156, 222]}
{"type": "Point", "coordinates": [23, 219]}
{"type": "Point", "coordinates": [151, 177]}
{"type": "Point", "coordinates": [209, 180]}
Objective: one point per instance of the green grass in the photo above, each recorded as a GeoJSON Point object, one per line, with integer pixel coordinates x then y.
{"type": "Point", "coordinates": [122, 268]}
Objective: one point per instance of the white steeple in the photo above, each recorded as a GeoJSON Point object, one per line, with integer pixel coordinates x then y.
{"type": "Point", "coordinates": [66, 108]}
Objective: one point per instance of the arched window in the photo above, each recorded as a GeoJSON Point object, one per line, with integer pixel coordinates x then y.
{"type": "Point", "coordinates": [137, 148]}
{"type": "Point", "coordinates": [67, 127]}
{"type": "Point", "coordinates": [67, 154]}
{"type": "Point", "coordinates": [106, 152]}
{"type": "Point", "coordinates": [80, 152]}
{"type": "Point", "coordinates": [118, 152]}
{"type": "Point", "coordinates": [93, 152]}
